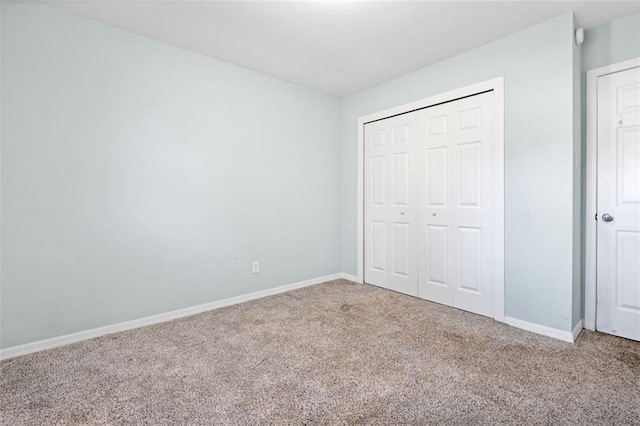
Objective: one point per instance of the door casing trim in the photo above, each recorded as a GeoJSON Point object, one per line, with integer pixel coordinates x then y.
{"type": "Point", "coordinates": [591, 208]}
{"type": "Point", "coordinates": [497, 86]}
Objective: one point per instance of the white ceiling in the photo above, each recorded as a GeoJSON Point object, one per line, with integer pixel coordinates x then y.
{"type": "Point", "coordinates": [336, 47]}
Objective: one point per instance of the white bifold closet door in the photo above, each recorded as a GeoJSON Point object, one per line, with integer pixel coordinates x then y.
{"type": "Point", "coordinates": [441, 223]}
{"type": "Point", "coordinates": [391, 212]}
{"type": "Point", "coordinates": [456, 210]}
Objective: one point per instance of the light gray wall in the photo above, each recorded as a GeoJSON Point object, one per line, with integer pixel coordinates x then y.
{"type": "Point", "coordinates": [576, 293]}
{"type": "Point", "coordinates": [139, 178]}
{"type": "Point", "coordinates": [537, 65]}
{"type": "Point", "coordinates": [612, 42]}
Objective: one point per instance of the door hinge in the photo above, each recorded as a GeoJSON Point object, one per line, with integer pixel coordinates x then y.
{"type": "Point", "coordinates": [619, 121]}
{"type": "Point", "coordinates": [596, 217]}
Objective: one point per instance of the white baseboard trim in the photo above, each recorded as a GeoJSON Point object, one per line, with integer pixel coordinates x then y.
{"type": "Point", "coordinates": [577, 329]}
{"type": "Point", "coordinates": [349, 277]}
{"type": "Point", "coordinates": [566, 336]}
{"type": "Point", "coordinates": [55, 342]}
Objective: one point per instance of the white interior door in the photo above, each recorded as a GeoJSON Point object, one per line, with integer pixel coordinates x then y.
{"type": "Point", "coordinates": [618, 194]}
{"type": "Point", "coordinates": [456, 214]}
{"type": "Point", "coordinates": [390, 213]}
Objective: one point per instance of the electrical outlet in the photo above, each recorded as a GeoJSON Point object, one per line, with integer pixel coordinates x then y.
{"type": "Point", "coordinates": [255, 268]}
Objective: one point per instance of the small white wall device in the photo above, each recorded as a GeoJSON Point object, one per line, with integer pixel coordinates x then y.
{"type": "Point", "coordinates": [579, 35]}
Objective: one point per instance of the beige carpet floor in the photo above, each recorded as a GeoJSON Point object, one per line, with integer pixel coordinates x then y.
{"type": "Point", "coordinates": [335, 353]}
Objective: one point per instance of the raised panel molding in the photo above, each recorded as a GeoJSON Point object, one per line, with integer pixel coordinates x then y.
{"type": "Point", "coordinates": [401, 134]}
{"type": "Point", "coordinates": [470, 174]}
{"type": "Point", "coordinates": [437, 126]}
{"type": "Point", "coordinates": [628, 98]}
{"type": "Point", "coordinates": [471, 118]}
{"type": "Point", "coordinates": [437, 249]}
{"type": "Point", "coordinates": [401, 179]}
{"type": "Point", "coordinates": [378, 138]}
{"type": "Point", "coordinates": [629, 173]}
{"type": "Point", "coordinates": [627, 292]}
{"type": "Point", "coordinates": [401, 248]}
{"type": "Point", "coordinates": [437, 173]}
{"type": "Point", "coordinates": [379, 246]}
{"type": "Point", "coordinates": [470, 265]}
{"type": "Point", "coordinates": [378, 181]}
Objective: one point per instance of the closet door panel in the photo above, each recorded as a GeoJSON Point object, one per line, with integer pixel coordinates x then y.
{"type": "Point", "coordinates": [472, 213]}
{"type": "Point", "coordinates": [435, 186]}
{"type": "Point", "coordinates": [391, 204]}
{"type": "Point", "coordinates": [455, 173]}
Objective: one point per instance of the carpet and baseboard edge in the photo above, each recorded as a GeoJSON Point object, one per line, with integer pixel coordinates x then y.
{"type": "Point", "coordinates": [567, 336]}
{"type": "Point", "coordinates": [54, 342]}
{"type": "Point", "coordinates": [67, 339]}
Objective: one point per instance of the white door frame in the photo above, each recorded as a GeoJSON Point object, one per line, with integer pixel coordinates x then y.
{"type": "Point", "coordinates": [497, 85]}
{"type": "Point", "coordinates": [590, 250]}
